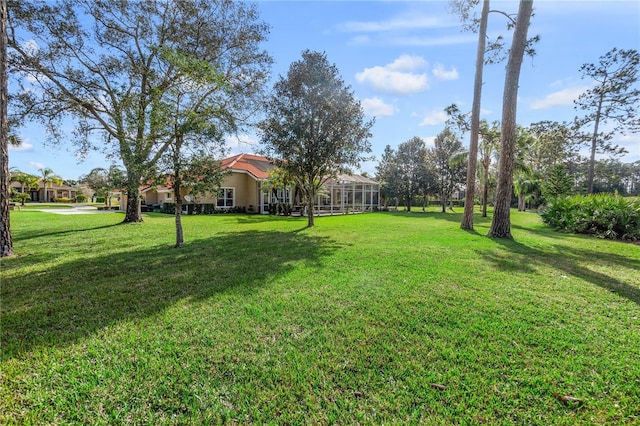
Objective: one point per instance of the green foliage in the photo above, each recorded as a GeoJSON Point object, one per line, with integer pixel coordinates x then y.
{"type": "Point", "coordinates": [62, 200]}
{"type": "Point", "coordinates": [201, 208]}
{"type": "Point", "coordinates": [282, 209]}
{"type": "Point", "coordinates": [448, 167]}
{"type": "Point", "coordinates": [314, 125]}
{"type": "Point", "coordinates": [558, 183]}
{"type": "Point", "coordinates": [80, 198]}
{"type": "Point", "coordinates": [612, 98]}
{"type": "Point", "coordinates": [20, 197]}
{"type": "Point", "coordinates": [152, 50]}
{"type": "Point", "coordinates": [603, 215]}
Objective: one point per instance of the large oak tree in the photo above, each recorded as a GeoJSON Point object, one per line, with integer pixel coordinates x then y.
{"type": "Point", "coordinates": [101, 63]}
{"type": "Point", "coordinates": [314, 125]}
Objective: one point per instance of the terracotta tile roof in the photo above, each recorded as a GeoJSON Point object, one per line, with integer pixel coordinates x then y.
{"type": "Point", "coordinates": [256, 165]}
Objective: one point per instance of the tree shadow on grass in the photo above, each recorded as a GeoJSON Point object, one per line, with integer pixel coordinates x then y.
{"type": "Point", "coordinates": [568, 260]}
{"type": "Point", "coordinates": [454, 217]}
{"type": "Point", "coordinates": [64, 304]}
{"type": "Point", "coordinates": [28, 235]}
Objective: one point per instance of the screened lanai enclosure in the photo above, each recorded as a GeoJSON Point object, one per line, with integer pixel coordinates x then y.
{"type": "Point", "coordinates": [340, 195]}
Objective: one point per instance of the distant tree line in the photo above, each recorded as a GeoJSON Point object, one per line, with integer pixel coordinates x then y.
{"type": "Point", "coordinates": [547, 164]}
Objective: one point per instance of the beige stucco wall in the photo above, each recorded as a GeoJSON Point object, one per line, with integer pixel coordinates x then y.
{"type": "Point", "coordinates": [246, 189]}
{"type": "Point", "coordinates": [245, 186]}
{"type": "Point", "coordinates": [151, 197]}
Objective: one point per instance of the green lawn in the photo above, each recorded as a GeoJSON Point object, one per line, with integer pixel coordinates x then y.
{"type": "Point", "coordinates": [394, 318]}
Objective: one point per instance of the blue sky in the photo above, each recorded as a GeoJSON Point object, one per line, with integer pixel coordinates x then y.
{"type": "Point", "coordinates": [406, 61]}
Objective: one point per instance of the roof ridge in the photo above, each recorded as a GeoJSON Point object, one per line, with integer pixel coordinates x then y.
{"type": "Point", "coordinates": [238, 157]}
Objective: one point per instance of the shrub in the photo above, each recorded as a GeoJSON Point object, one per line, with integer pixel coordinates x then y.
{"type": "Point", "coordinates": [81, 198]}
{"type": "Point", "coordinates": [603, 215]}
{"type": "Point", "coordinates": [20, 197]}
{"type": "Point", "coordinates": [197, 208]}
{"type": "Point", "coordinates": [100, 199]}
{"type": "Point", "coordinates": [62, 200]}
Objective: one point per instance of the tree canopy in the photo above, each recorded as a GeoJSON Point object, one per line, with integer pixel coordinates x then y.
{"type": "Point", "coordinates": [314, 126]}
{"type": "Point", "coordinates": [614, 97]}
{"type": "Point", "coordinates": [446, 160]}
{"type": "Point", "coordinates": [110, 67]}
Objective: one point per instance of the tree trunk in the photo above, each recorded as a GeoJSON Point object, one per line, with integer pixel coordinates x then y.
{"type": "Point", "coordinates": [6, 242]}
{"type": "Point", "coordinates": [310, 206]}
{"type": "Point", "coordinates": [521, 203]}
{"type": "Point", "coordinates": [443, 201]}
{"type": "Point", "coordinates": [501, 223]}
{"type": "Point", "coordinates": [469, 199]}
{"type": "Point", "coordinates": [177, 185]}
{"type": "Point", "coordinates": [178, 215]}
{"type": "Point", "coordinates": [594, 145]}
{"type": "Point", "coordinates": [408, 202]}
{"type": "Point", "coordinates": [485, 194]}
{"type": "Point", "coordinates": [133, 213]}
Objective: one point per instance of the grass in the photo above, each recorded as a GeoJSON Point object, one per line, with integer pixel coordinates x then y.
{"type": "Point", "coordinates": [396, 318]}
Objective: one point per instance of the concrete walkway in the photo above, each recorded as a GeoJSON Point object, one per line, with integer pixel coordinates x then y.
{"type": "Point", "coordinates": [78, 210]}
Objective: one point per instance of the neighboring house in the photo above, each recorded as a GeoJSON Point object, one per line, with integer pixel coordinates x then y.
{"type": "Point", "coordinates": [242, 187]}
{"type": "Point", "coordinates": [156, 195]}
{"type": "Point", "coordinates": [53, 191]}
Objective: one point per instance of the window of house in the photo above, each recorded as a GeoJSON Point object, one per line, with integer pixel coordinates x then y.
{"type": "Point", "coordinates": [226, 198]}
{"type": "Point", "coordinates": [168, 196]}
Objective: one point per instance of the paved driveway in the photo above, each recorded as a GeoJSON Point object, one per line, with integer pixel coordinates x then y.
{"type": "Point", "coordinates": [78, 210]}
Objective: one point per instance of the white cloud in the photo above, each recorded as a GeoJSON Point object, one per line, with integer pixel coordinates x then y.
{"type": "Point", "coordinates": [430, 141]}
{"type": "Point", "coordinates": [434, 118]}
{"type": "Point", "coordinates": [385, 39]}
{"type": "Point", "coordinates": [375, 107]}
{"type": "Point", "coordinates": [238, 144]}
{"type": "Point", "coordinates": [31, 47]}
{"type": "Point", "coordinates": [25, 145]}
{"type": "Point", "coordinates": [401, 22]}
{"type": "Point", "coordinates": [407, 63]}
{"type": "Point", "coordinates": [561, 97]}
{"type": "Point", "coordinates": [440, 73]}
{"type": "Point", "coordinates": [397, 77]}
{"type": "Point", "coordinates": [427, 41]}
{"type": "Point", "coordinates": [631, 142]}
{"type": "Point", "coordinates": [36, 165]}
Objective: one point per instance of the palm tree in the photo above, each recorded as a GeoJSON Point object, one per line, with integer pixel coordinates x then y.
{"type": "Point", "coordinates": [524, 185]}
{"type": "Point", "coordinates": [48, 177]}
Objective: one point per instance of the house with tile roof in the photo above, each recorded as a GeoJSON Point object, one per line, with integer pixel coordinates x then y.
{"type": "Point", "coordinates": [243, 188]}
{"type": "Point", "coordinates": [53, 191]}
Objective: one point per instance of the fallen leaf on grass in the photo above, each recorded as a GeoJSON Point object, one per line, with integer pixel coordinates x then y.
{"type": "Point", "coordinates": [437, 386]}
{"type": "Point", "coordinates": [568, 400]}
